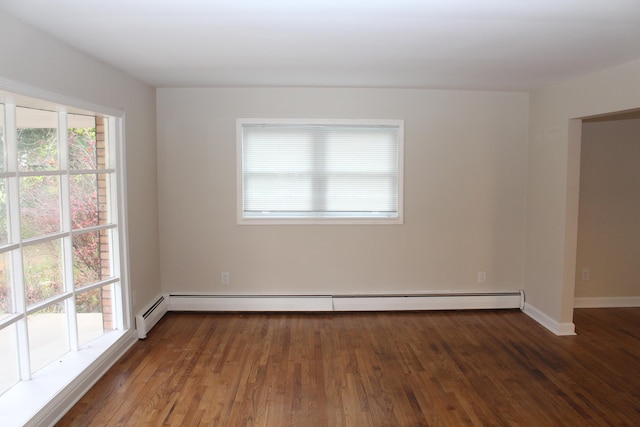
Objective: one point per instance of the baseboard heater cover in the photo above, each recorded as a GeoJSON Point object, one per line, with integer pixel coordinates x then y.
{"type": "Point", "coordinates": [435, 301]}
{"type": "Point", "coordinates": [371, 302]}
{"type": "Point", "coordinates": [152, 315]}
{"type": "Point", "coordinates": [181, 302]}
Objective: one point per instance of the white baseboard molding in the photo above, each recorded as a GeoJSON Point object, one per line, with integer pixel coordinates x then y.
{"type": "Point", "coordinates": [323, 303]}
{"type": "Point", "coordinates": [52, 391]}
{"type": "Point", "coordinates": [557, 328]}
{"type": "Point", "coordinates": [605, 302]}
{"type": "Point", "coordinates": [440, 301]}
{"type": "Point", "coordinates": [406, 302]}
{"type": "Point", "coordinates": [186, 302]}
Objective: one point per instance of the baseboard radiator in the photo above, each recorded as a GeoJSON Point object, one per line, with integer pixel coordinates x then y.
{"type": "Point", "coordinates": [368, 302]}
{"type": "Point", "coordinates": [152, 315]}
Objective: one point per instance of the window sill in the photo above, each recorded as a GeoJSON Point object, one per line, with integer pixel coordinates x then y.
{"type": "Point", "coordinates": [55, 388]}
{"type": "Point", "coordinates": [319, 221]}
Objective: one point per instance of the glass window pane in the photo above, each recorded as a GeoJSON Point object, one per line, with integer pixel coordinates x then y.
{"type": "Point", "coordinates": [102, 143]}
{"type": "Point", "coordinates": [104, 195]}
{"type": "Point", "coordinates": [86, 258]}
{"type": "Point", "coordinates": [6, 290]}
{"type": "Point", "coordinates": [3, 161]}
{"type": "Point", "coordinates": [43, 270]}
{"type": "Point", "coordinates": [313, 170]}
{"type": "Point", "coordinates": [52, 194]}
{"type": "Point", "coordinates": [39, 205]}
{"type": "Point", "coordinates": [89, 200]}
{"type": "Point", "coordinates": [8, 358]}
{"type": "Point", "coordinates": [4, 233]}
{"type": "Point", "coordinates": [48, 335]}
{"type": "Point", "coordinates": [376, 193]}
{"type": "Point", "coordinates": [37, 139]}
{"type": "Point", "coordinates": [95, 313]}
{"type": "Point", "coordinates": [84, 200]}
{"type": "Point", "coordinates": [82, 142]}
{"type": "Point", "coordinates": [91, 257]}
{"type": "Point", "coordinates": [105, 254]}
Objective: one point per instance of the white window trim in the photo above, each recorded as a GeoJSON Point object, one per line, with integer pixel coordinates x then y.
{"type": "Point", "coordinates": [52, 390]}
{"type": "Point", "coordinates": [325, 220]}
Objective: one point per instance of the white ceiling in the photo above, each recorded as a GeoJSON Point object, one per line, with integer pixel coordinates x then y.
{"type": "Point", "coordinates": [459, 44]}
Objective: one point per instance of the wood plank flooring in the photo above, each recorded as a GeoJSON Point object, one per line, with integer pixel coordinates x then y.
{"type": "Point", "coordinates": [476, 368]}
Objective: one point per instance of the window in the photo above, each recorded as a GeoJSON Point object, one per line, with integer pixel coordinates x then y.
{"type": "Point", "coordinates": [60, 279]}
{"type": "Point", "coordinates": [312, 171]}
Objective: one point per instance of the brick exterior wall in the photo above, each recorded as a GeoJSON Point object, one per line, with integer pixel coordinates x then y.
{"type": "Point", "coordinates": [103, 218]}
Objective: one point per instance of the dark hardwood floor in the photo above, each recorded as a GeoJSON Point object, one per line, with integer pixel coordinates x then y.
{"type": "Point", "coordinates": [480, 368]}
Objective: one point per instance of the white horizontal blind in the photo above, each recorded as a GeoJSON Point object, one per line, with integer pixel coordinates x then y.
{"type": "Point", "coordinates": [320, 170]}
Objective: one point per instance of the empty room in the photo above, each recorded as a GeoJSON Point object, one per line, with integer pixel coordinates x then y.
{"type": "Point", "coordinates": [319, 213]}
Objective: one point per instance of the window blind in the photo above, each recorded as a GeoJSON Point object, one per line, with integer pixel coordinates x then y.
{"type": "Point", "coordinates": [320, 171]}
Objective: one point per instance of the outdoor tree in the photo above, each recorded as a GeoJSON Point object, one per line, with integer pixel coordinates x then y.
{"type": "Point", "coordinates": [40, 202]}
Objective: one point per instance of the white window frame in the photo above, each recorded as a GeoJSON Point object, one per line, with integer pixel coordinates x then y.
{"type": "Point", "coordinates": [243, 220]}
{"type": "Point", "coordinates": [39, 396]}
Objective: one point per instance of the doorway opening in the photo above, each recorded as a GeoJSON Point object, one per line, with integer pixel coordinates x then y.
{"type": "Point", "coordinates": [608, 241]}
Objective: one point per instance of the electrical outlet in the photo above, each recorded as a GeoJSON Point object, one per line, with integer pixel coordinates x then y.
{"type": "Point", "coordinates": [224, 278]}
{"type": "Point", "coordinates": [482, 276]}
{"type": "Point", "coordinates": [585, 274]}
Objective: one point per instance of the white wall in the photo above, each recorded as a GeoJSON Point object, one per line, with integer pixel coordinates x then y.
{"type": "Point", "coordinates": [609, 215]}
{"type": "Point", "coordinates": [553, 181]}
{"type": "Point", "coordinates": [34, 59]}
{"type": "Point", "coordinates": [465, 157]}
